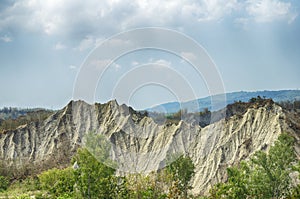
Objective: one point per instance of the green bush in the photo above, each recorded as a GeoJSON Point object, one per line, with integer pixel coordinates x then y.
{"type": "Point", "coordinates": [23, 196]}
{"type": "Point", "coordinates": [3, 183]}
{"type": "Point", "coordinates": [58, 181]}
{"type": "Point", "coordinates": [31, 184]}
{"type": "Point", "coordinates": [65, 196]}
{"type": "Point", "coordinates": [93, 178]}
{"type": "Point", "coordinates": [182, 170]}
{"type": "Point", "coordinates": [264, 176]}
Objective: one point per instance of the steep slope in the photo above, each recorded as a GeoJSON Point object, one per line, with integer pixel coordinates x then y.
{"type": "Point", "coordinates": [138, 144]}
{"type": "Point", "coordinates": [226, 143]}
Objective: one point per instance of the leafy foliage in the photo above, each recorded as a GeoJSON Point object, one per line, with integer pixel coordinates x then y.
{"type": "Point", "coordinates": [152, 185]}
{"type": "Point", "coordinates": [25, 117]}
{"type": "Point", "coordinates": [296, 191]}
{"type": "Point", "coordinates": [99, 147]}
{"type": "Point", "coordinates": [58, 181]}
{"type": "Point", "coordinates": [182, 171]}
{"type": "Point", "coordinates": [264, 176]}
{"type": "Point", "coordinates": [3, 183]}
{"type": "Point", "coordinates": [93, 178]}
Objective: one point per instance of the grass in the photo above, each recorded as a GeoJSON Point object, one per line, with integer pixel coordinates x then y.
{"type": "Point", "coordinates": [25, 189]}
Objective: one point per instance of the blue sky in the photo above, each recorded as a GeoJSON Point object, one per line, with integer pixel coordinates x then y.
{"type": "Point", "coordinates": [43, 44]}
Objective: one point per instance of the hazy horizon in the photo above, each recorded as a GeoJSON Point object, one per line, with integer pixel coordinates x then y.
{"type": "Point", "coordinates": [154, 105]}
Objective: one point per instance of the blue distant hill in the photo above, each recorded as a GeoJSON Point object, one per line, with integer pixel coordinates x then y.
{"type": "Point", "coordinates": [202, 103]}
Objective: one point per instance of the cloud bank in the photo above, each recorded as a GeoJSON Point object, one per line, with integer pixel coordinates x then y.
{"type": "Point", "coordinates": [87, 21]}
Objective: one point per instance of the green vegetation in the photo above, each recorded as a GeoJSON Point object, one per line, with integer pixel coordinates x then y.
{"type": "Point", "coordinates": [202, 118]}
{"type": "Point", "coordinates": [296, 191]}
{"type": "Point", "coordinates": [290, 105]}
{"type": "Point", "coordinates": [12, 123]}
{"type": "Point", "coordinates": [10, 112]}
{"type": "Point", "coordinates": [57, 181]}
{"type": "Point", "coordinates": [147, 186]}
{"type": "Point", "coordinates": [90, 178]}
{"type": "Point", "coordinates": [181, 170]}
{"type": "Point", "coordinates": [93, 178]}
{"type": "Point", "coordinates": [206, 117]}
{"type": "Point", "coordinates": [23, 189]}
{"type": "Point", "coordinates": [3, 183]}
{"type": "Point", "coordinates": [264, 176]}
{"type": "Point", "coordinates": [99, 147]}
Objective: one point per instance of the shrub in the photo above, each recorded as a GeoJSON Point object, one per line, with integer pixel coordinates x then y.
{"type": "Point", "coordinates": [58, 182]}
{"type": "Point", "coordinates": [264, 176]}
{"type": "Point", "coordinates": [93, 178]}
{"type": "Point", "coordinates": [23, 196]}
{"type": "Point", "coordinates": [3, 183]}
{"type": "Point", "coordinates": [182, 170]}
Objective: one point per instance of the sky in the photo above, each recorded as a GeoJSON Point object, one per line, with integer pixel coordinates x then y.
{"type": "Point", "coordinates": [44, 45]}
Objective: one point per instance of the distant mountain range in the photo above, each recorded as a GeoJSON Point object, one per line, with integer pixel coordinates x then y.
{"type": "Point", "coordinates": [202, 103]}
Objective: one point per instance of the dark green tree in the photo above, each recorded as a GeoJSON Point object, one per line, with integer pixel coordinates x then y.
{"type": "Point", "coordinates": [3, 183]}
{"type": "Point", "coordinates": [93, 178]}
{"type": "Point", "coordinates": [296, 191]}
{"type": "Point", "coordinates": [271, 172]}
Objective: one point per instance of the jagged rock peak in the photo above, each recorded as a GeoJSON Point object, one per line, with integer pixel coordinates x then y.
{"type": "Point", "coordinates": [113, 102]}
{"type": "Point", "coordinates": [81, 103]}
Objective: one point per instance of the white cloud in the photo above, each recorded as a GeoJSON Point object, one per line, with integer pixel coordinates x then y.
{"type": "Point", "coordinates": [90, 42]}
{"type": "Point", "coordinates": [162, 62]}
{"type": "Point", "coordinates": [134, 63]}
{"type": "Point", "coordinates": [80, 18]}
{"type": "Point", "coordinates": [270, 10]}
{"type": "Point", "coordinates": [188, 55]}
{"type": "Point", "coordinates": [216, 9]}
{"type": "Point", "coordinates": [86, 44]}
{"type": "Point", "coordinates": [59, 46]}
{"type": "Point", "coordinates": [72, 67]}
{"type": "Point", "coordinates": [84, 22]}
{"type": "Point", "coordinates": [158, 63]}
{"type": "Point", "coordinates": [100, 64]}
{"type": "Point", "coordinates": [6, 38]}
{"type": "Point", "coordinates": [116, 66]}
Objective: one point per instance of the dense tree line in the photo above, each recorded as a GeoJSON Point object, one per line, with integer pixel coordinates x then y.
{"type": "Point", "coordinates": [28, 117]}
{"type": "Point", "coordinates": [14, 113]}
{"type": "Point", "coordinates": [290, 105]}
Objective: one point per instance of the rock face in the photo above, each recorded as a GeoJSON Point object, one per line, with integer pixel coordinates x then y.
{"type": "Point", "coordinates": [138, 144]}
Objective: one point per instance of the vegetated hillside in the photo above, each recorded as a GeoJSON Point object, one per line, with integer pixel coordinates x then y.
{"type": "Point", "coordinates": [207, 117]}
{"type": "Point", "coordinates": [9, 112]}
{"type": "Point", "coordinates": [202, 103]}
{"type": "Point", "coordinates": [140, 144]}
{"type": "Point", "coordinates": [14, 113]}
{"type": "Point", "coordinates": [15, 118]}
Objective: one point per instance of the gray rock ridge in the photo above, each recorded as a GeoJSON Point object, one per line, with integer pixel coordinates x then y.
{"type": "Point", "coordinates": [141, 145]}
